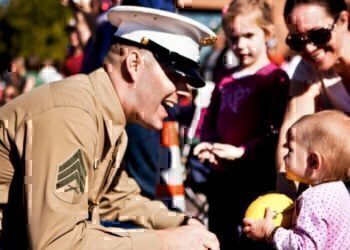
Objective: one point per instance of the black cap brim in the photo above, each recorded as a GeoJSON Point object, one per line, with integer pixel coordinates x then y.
{"type": "Point", "coordinates": [192, 76]}
{"type": "Point", "coordinates": [172, 60]}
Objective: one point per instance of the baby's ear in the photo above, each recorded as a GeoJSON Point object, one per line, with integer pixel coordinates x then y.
{"type": "Point", "coordinates": [314, 161]}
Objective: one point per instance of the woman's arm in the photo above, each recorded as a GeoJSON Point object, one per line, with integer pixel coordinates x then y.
{"type": "Point", "coordinates": [302, 102]}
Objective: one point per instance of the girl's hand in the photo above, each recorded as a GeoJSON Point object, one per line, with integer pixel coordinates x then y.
{"type": "Point", "coordinates": [204, 152]}
{"type": "Point", "coordinates": [227, 151]}
{"type": "Point", "coordinates": [260, 229]}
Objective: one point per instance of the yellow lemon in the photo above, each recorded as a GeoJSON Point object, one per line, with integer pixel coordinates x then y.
{"type": "Point", "coordinates": [280, 204]}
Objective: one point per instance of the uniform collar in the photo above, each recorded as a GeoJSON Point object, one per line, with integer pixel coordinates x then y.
{"type": "Point", "coordinates": [112, 111]}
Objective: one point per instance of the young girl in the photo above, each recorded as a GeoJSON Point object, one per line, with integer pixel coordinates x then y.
{"type": "Point", "coordinates": [246, 110]}
{"type": "Point", "coordinates": [318, 155]}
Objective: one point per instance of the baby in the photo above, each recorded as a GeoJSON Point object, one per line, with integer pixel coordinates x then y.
{"type": "Point", "coordinates": [318, 155]}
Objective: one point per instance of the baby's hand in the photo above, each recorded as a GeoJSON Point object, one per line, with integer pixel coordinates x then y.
{"type": "Point", "coordinates": [227, 151]}
{"type": "Point", "coordinates": [259, 229]}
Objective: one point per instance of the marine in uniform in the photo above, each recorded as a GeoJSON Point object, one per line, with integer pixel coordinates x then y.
{"type": "Point", "coordinates": [61, 145]}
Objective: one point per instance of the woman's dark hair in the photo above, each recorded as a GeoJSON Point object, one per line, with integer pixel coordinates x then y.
{"type": "Point", "coordinates": [333, 7]}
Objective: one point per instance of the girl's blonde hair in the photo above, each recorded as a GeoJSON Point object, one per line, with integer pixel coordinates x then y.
{"type": "Point", "coordinates": [328, 133]}
{"type": "Point", "coordinates": [245, 7]}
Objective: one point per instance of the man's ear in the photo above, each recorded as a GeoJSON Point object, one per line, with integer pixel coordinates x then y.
{"type": "Point", "coordinates": [314, 161]}
{"type": "Point", "coordinates": [132, 65]}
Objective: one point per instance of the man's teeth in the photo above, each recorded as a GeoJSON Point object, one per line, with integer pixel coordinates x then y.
{"type": "Point", "coordinates": [169, 104]}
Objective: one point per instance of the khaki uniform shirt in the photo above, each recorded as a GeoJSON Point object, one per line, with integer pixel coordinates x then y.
{"type": "Point", "coordinates": [61, 146]}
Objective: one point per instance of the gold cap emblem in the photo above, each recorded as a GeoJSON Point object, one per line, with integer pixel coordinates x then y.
{"type": "Point", "coordinates": [209, 40]}
{"type": "Point", "coordinates": [144, 40]}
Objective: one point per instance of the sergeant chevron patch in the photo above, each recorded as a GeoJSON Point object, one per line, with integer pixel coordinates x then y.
{"type": "Point", "coordinates": [71, 178]}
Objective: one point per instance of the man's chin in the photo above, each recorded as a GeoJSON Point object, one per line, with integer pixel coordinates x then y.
{"type": "Point", "coordinates": [147, 122]}
{"type": "Point", "coordinates": [151, 125]}
{"type": "Point", "coordinates": [158, 127]}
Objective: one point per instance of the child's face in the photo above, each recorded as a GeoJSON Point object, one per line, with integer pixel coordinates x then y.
{"type": "Point", "coordinates": [296, 158]}
{"type": "Point", "coordinates": [247, 39]}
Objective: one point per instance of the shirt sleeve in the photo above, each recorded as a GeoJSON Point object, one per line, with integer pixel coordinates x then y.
{"type": "Point", "coordinates": [59, 153]}
{"type": "Point", "coordinates": [124, 203]}
{"type": "Point", "coordinates": [309, 231]}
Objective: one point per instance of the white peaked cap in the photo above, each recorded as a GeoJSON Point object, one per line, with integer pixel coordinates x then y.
{"type": "Point", "coordinates": [174, 32]}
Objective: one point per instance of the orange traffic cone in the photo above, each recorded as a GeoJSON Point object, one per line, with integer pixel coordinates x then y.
{"type": "Point", "coordinates": [173, 189]}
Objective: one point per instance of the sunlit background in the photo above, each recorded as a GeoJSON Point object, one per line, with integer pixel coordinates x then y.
{"type": "Point", "coordinates": [38, 26]}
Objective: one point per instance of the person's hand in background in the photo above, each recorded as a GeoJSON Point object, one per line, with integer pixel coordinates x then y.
{"type": "Point", "coordinates": [204, 152]}
{"type": "Point", "coordinates": [227, 151]}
